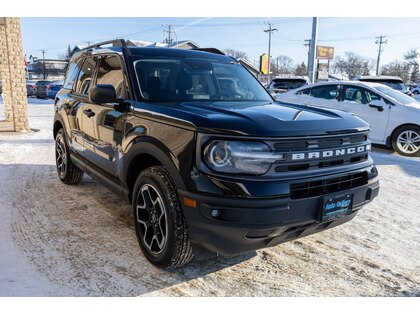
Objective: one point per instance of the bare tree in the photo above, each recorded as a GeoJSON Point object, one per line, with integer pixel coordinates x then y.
{"type": "Point", "coordinates": [236, 53]}
{"type": "Point", "coordinates": [352, 65]}
{"type": "Point", "coordinates": [397, 68]}
{"type": "Point", "coordinates": [284, 64]}
{"type": "Point", "coordinates": [301, 69]}
{"type": "Point", "coordinates": [411, 58]}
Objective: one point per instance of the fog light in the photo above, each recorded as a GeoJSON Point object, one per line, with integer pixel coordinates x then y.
{"type": "Point", "coordinates": [215, 213]}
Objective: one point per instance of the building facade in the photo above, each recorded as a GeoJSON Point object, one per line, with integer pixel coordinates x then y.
{"type": "Point", "coordinates": [12, 72]}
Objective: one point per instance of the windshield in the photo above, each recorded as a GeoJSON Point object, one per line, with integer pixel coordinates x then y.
{"type": "Point", "coordinates": [175, 80]}
{"type": "Point", "coordinates": [395, 85]}
{"type": "Point", "coordinates": [396, 95]}
{"type": "Point", "coordinates": [289, 84]}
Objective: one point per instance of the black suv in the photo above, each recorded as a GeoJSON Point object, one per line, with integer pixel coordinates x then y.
{"type": "Point", "coordinates": [208, 167]}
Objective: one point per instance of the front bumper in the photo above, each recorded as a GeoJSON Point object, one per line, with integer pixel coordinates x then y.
{"type": "Point", "coordinates": [230, 226]}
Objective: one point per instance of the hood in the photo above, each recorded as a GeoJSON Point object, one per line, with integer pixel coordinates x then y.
{"type": "Point", "coordinates": [415, 106]}
{"type": "Point", "coordinates": [273, 119]}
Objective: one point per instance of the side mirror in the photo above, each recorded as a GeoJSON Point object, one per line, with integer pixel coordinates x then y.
{"type": "Point", "coordinates": [103, 93]}
{"type": "Point", "coordinates": [379, 105]}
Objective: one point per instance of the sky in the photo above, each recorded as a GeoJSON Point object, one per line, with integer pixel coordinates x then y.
{"type": "Point", "coordinates": [239, 33]}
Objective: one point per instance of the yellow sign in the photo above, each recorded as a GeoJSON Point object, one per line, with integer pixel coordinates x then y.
{"type": "Point", "coordinates": [264, 64]}
{"type": "Point", "coordinates": [324, 52]}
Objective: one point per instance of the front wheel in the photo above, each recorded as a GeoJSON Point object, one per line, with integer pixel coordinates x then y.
{"type": "Point", "coordinates": [67, 171]}
{"type": "Point", "coordinates": [160, 225]}
{"type": "Point", "coordinates": [406, 141]}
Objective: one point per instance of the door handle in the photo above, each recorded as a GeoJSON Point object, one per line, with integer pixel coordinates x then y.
{"type": "Point", "coordinates": [89, 113]}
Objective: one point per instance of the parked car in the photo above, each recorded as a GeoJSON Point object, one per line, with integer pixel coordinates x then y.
{"type": "Point", "coordinates": [415, 90]}
{"type": "Point", "coordinates": [393, 116]}
{"type": "Point", "coordinates": [227, 172]}
{"type": "Point", "coordinates": [53, 88]}
{"type": "Point", "coordinates": [41, 88]}
{"type": "Point", "coordinates": [284, 84]}
{"type": "Point", "coordinates": [392, 81]}
{"type": "Point", "coordinates": [30, 87]}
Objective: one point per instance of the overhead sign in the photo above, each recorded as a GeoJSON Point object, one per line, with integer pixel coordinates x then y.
{"type": "Point", "coordinates": [264, 64]}
{"type": "Point", "coordinates": [324, 52]}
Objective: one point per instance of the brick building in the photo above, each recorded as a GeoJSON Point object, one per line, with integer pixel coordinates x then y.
{"type": "Point", "coordinates": [12, 72]}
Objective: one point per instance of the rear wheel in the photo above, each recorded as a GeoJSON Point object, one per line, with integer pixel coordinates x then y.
{"type": "Point", "coordinates": [160, 226]}
{"type": "Point", "coordinates": [67, 171]}
{"type": "Point", "coordinates": [406, 141]}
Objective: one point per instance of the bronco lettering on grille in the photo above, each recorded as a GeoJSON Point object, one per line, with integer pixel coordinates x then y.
{"type": "Point", "coordinates": [330, 153]}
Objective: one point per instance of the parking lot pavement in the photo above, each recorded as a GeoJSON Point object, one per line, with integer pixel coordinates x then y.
{"type": "Point", "coordinates": [80, 240]}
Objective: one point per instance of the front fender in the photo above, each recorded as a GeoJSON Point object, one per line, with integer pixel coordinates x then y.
{"type": "Point", "coordinates": [156, 149]}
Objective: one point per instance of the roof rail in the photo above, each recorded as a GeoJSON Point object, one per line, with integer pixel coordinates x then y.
{"type": "Point", "coordinates": [211, 50]}
{"type": "Point", "coordinates": [119, 42]}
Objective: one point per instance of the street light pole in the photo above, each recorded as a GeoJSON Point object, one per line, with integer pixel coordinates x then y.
{"type": "Point", "coordinates": [43, 62]}
{"type": "Point", "coordinates": [311, 61]}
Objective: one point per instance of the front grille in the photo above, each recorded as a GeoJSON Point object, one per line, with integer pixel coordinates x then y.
{"type": "Point", "coordinates": [327, 186]}
{"type": "Point", "coordinates": [282, 167]}
{"type": "Point", "coordinates": [324, 143]}
{"type": "Point", "coordinates": [306, 153]}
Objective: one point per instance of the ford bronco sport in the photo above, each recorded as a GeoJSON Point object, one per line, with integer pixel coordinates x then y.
{"type": "Point", "coordinates": [221, 168]}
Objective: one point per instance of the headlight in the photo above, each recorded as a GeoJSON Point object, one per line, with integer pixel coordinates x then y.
{"type": "Point", "coordinates": [240, 157]}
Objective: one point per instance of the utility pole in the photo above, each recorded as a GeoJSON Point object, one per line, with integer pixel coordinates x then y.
{"type": "Point", "coordinates": [380, 41]}
{"type": "Point", "coordinates": [43, 62]}
{"type": "Point", "coordinates": [308, 44]}
{"type": "Point", "coordinates": [168, 40]}
{"type": "Point", "coordinates": [314, 41]}
{"type": "Point", "coordinates": [270, 30]}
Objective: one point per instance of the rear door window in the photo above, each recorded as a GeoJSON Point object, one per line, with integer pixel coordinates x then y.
{"type": "Point", "coordinates": [328, 92]}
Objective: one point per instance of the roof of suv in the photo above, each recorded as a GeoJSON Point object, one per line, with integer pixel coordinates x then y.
{"type": "Point", "coordinates": [157, 52]}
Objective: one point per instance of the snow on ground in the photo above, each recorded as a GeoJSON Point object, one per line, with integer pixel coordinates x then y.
{"type": "Point", "coordinates": [58, 240]}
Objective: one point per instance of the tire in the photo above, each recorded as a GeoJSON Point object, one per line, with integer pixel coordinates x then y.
{"type": "Point", "coordinates": [160, 225]}
{"type": "Point", "coordinates": [406, 141]}
{"type": "Point", "coordinates": [67, 171]}
{"type": "Point", "coordinates": [416, 92]}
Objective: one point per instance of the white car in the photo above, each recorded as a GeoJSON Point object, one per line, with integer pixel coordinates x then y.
{"type": "Point", "coordinates": [393, 116]}
{"type": "Point", "coordinates": [415, 90]}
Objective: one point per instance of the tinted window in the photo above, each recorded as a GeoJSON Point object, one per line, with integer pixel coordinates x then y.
{"type": "Point", "coordinates": [196, 79]}
{"type": "Point", "coordinates": [71, 76]}
{"type": "Point", "coordinates": [85, 76]}
{"type": "Point", "coordinates": [110, 72]}
{"type": "Point", "coordinates": [328, 92]}
{"type": "Point", "coordinates": [289, 84]}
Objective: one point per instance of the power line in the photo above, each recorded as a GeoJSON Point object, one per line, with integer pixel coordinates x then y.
{"type": "Point", "coordinates": [380, 41]}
